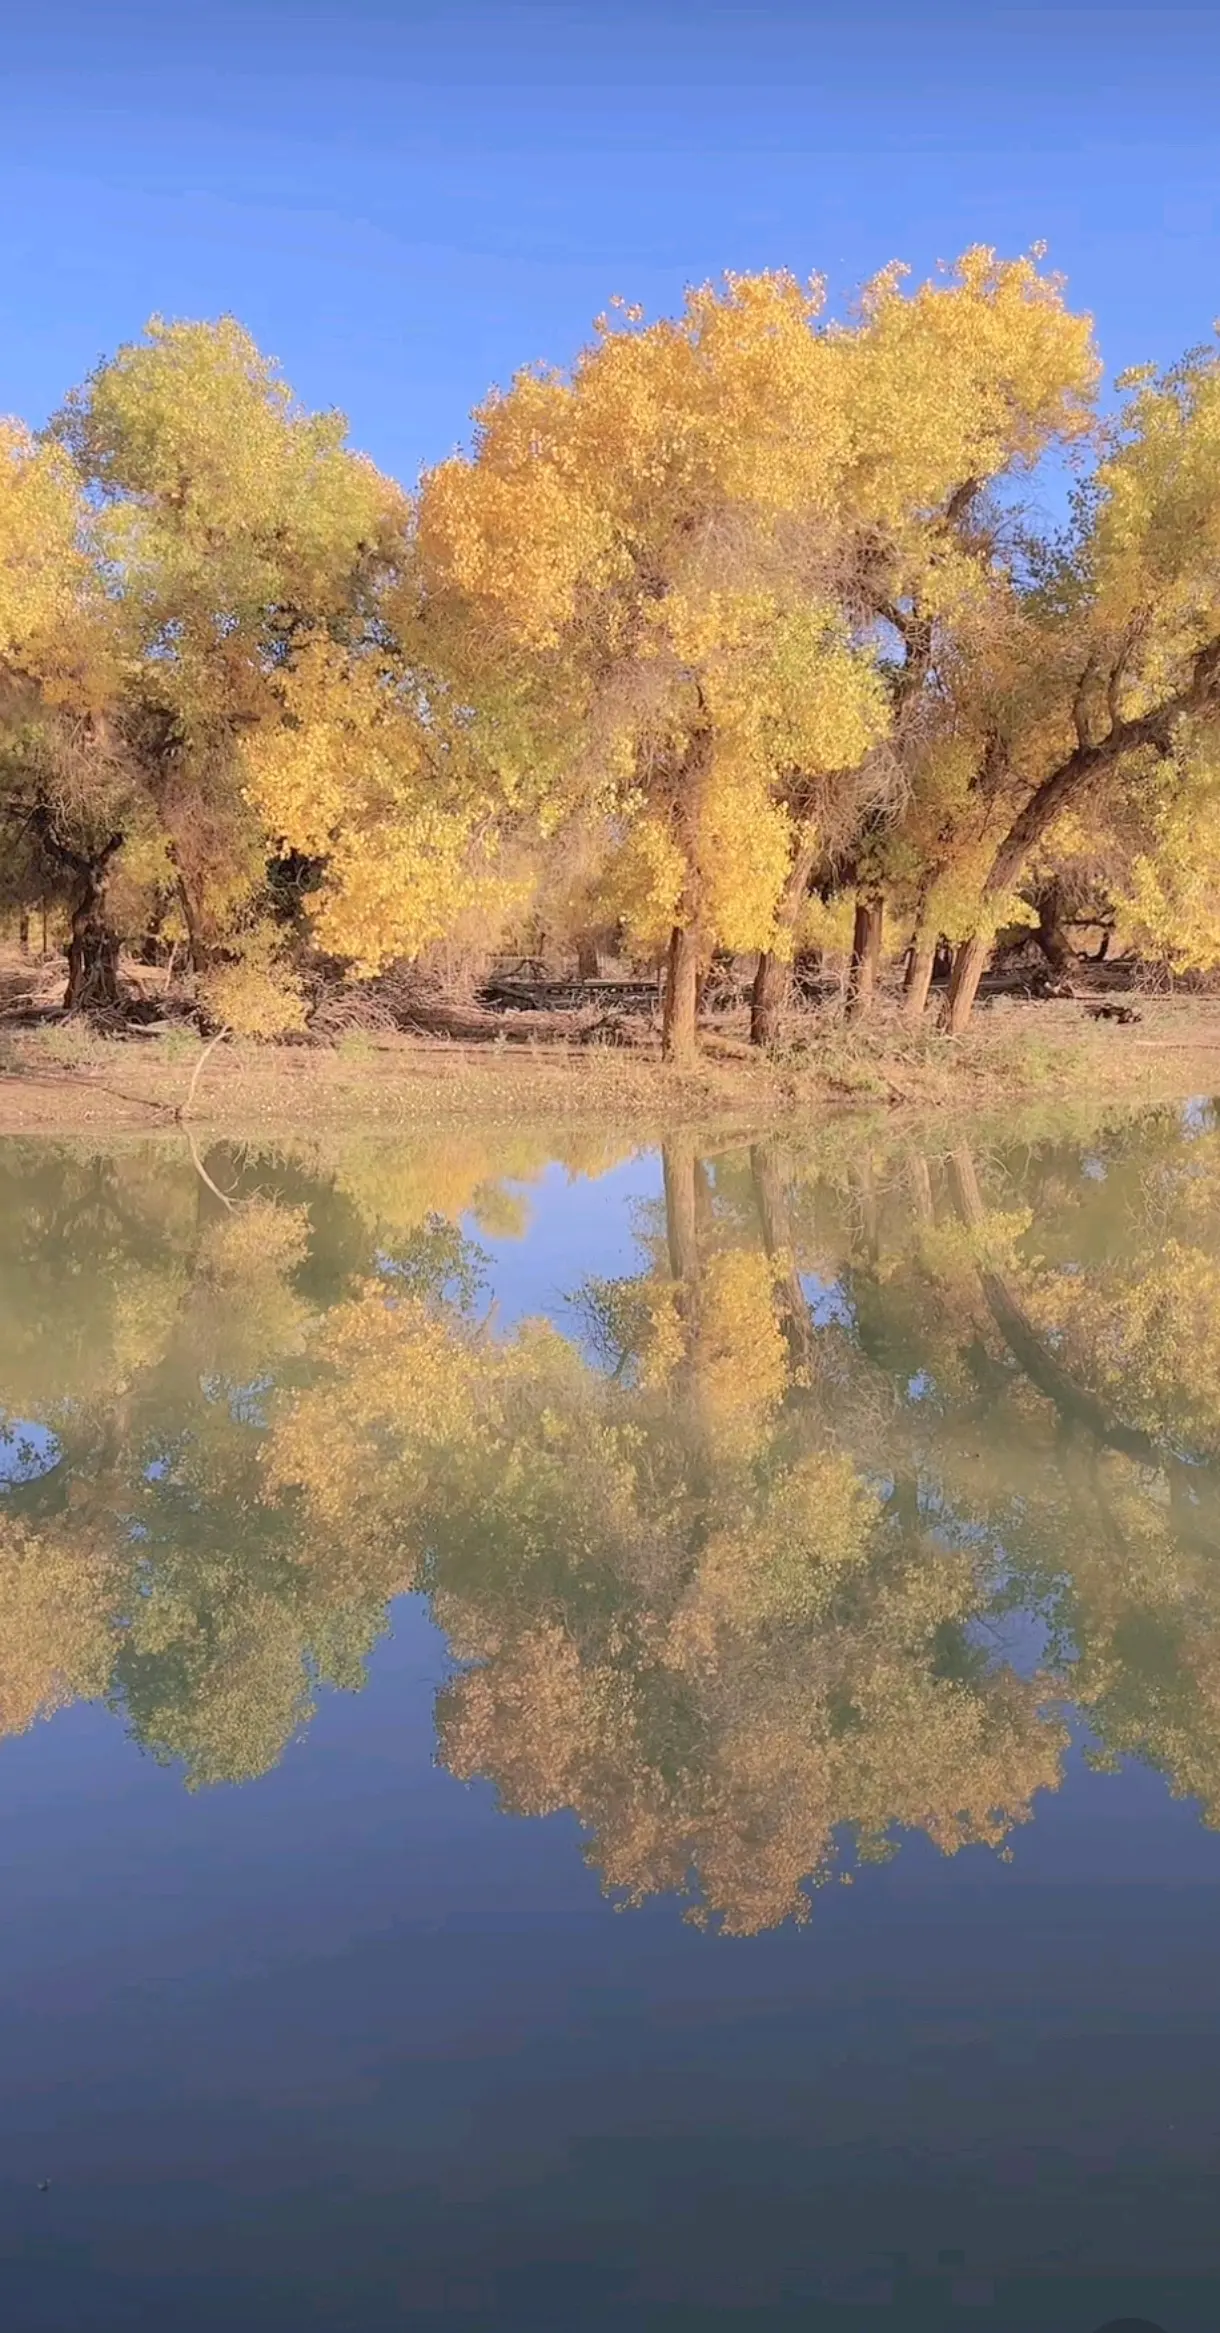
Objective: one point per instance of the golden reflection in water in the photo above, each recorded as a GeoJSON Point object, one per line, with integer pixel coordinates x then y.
{"type": "Point", "coordinates": [732, 1567]}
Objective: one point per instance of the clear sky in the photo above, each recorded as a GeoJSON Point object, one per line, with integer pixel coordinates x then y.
{"type": "Point", "coordinates": [406, 199]}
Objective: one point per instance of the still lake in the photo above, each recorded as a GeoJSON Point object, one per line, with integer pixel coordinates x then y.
{"type": "Point", "coordinates": [600, 1738]}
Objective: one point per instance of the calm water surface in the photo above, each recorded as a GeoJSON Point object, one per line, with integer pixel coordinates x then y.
{"type": "Point", "coordinates": [609, 1739]}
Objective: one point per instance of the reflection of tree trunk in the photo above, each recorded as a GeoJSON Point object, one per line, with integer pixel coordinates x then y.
{"type": "Point", "coordinates": [921, 1188]}
{"type": "Point", "coordinates": [866, 1185]}
{"type": "Point", "coordinates": [679, 1013]}
{"type": "Point", "coordinates": [704, 1206]}
{"type": "Point", "coordinates": [1027, 1346]}
{"type": "Point", "coordinates": [903, 1503]}
{"type": "Point", "coordinates": [865, 955]}
{"type": "Point", "coordinates": [771, 1200]}
{"type": "Point", "coordinates": [685, 1200]}
{"type": "Point", "coordinates": [681, 1168]}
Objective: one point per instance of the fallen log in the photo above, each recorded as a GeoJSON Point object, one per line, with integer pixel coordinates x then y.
{"type": "Point", "coordinates": [476, 1025]}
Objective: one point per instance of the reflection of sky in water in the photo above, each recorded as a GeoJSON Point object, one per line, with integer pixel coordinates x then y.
{"type": "Point", "coordinates": [579, 1228]}
{"type": "Point", "coordinates": [26, 1450]}
{"type": "Point", "coordinates": [351, 2047]}
{"type": "Point", "coordinates": [830, 1305]}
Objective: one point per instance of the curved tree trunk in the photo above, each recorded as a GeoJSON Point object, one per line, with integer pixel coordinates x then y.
{"type": "Point", "coordinates": [865, 955]}
{"type": "Point", "coordinates": [680, 1010]}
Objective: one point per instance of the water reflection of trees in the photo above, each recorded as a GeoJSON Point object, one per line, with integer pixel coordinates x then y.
{"type": "Point", "coordinates": [728, 1569]}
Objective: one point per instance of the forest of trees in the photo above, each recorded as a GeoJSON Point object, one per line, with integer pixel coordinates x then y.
{"type": "Point", "coordinates": [753, 632]}
{"type": "Point", "coordinates": [730, 1569]}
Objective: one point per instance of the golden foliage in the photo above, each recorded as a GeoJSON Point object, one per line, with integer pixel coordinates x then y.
{"type": "Point", "coordinates": [57, 1621]}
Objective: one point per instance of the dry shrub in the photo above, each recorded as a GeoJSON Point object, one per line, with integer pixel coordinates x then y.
{"type": "Point", "coordinates": [351, 1011]}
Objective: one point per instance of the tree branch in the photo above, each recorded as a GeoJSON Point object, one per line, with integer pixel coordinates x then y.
{"type": "Point", "coordinates": [960, 500]}
{"type": "Point", "coordinates": [1063, 785]}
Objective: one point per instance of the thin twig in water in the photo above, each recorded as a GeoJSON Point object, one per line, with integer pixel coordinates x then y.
{"type": "Point", "coordinates": [202, 1171]}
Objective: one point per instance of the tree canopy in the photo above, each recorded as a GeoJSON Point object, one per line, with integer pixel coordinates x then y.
{"type": "Point", "coordinates": [749, 617]}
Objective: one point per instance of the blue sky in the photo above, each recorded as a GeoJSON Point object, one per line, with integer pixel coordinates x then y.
{"type": "Point", "coordinates": [405, 201]}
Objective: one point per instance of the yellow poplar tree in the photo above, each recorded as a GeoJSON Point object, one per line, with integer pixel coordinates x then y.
{"type": "Point", "coordinates": [237, 530]}
{"type": "Point", "coordinates": [962, 387]}
{"type": "Point", "coordinates": [1136, 670]}
{"type": "Point", "coordinates": [636, 571]}
{"type": "Point", "coordinates": [677, 559]}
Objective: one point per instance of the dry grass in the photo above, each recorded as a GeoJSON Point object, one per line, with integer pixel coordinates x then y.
{"type": "Point", "coordinates": [62, 1075]}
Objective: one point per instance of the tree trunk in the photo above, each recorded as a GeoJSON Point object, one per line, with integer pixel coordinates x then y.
{"type": "Point", "coordinates": [194, 936]}
{"type": "Point", "coordinates": [150, 945]}
{"type": "Point", "coordinates": [679, 1013]}
{"type": "Point", "coordinates": [918, 977]}
{"type": "Point", "coordinates": [93, 968]}
{"type": "Point", "coordinates": [865, 955]}
{"type": "Point", "coordinates": [969, 964]}
{"type": "Point", "coordinates": [23, 932]}
{"type": "Point", "coordinates": [773, 978]}
{"type": "Point", "coordinates": [588, 963]}
{"type": "Point", "coordinates": [93, 950]}
{"type": "Point", "coordinates": [1051, 936]}
{"type": "Point", "coordinates": [769, 998]}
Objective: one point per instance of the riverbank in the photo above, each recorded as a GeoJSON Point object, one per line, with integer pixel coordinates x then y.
{"type": "Point", "coordinates": [64, 1076]}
